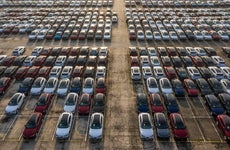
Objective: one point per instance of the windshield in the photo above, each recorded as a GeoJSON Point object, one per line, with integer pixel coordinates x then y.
{"type": "Point", "coordinates": [42, 101]}
{"type": "Point", "coordinates": [63, 124]}
{"type": "Point", "coordinates": [179, 125]}
{"type": "Point", "coordinates": [13, 102]}
{"type": "Point", "coordinates": [99, 103]}
{"type": "Point", "coordinates": [30, 124]}
{"type": "Point", "coordinates": [70, 101]}
{"type": "Point", "coordinates": [162, 125]}
{"type": "Point", "coordinates": [96, 125]}
{"type": "Point", "coordinates": [146, 125]}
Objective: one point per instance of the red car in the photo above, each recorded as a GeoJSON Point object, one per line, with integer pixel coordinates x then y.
{"type": "Point", "coordinates": [77, 71]}
{"type": "Point", "coordinates": [74, 35]}
{"type": "Point", "coordinates": [171, 51]}
{"type": "Point", "coordinates": [50, 34]}
{"type": "Point", "coordinates": [8, 61]}
{"type": "Point", "coordinates": [101, 86]}
{"type": "Point", "coordinates": [135, 61]}
{"type": "Point", "coordinates": [33, 71]}
{"type": "Point", "coordinates": [46, 51]}
{"type": "Point", "coordinates": [65, 51]}
{"type": "Point", "coordinates": [84, 104]}
{"type": "Point", "coordinates": [178, 126]}
{"type": "Point", "coordinates": [33, 126]}
{"type": "Point", "coordinates": [190, 87]}
{"type": "Point", "coordinates": [223, 121]}
{"type": "Point", "coordinates": [4, 84]}
{"type": "Point", "coordinates": [170, 72]}
{"type": "Point", "coordinates": [39, 61]}
{"type": "Point", "coordinates": [43, 103]}
{"type": "Point", "coordinates": [198, 61]}
{"type": "Point", "coordinates": [21, 72]}
{"type": "Point", "coordinates": [74, 51]}
{"type": "Point", "coordinates": [44, 72]}
{"type": "Point", "coordinates": [156, 104]}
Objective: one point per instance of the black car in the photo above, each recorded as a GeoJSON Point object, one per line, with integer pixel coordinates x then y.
{"type": "Point", "coordinates": [181, 73]}
{"type": "Point", "coordinates": [205, 72]}
{"type": "Point", "coordinates": [50, 61]}
{"type": "Point", "coordinates": [55, 51]}
{"type": "Point", "coordinates": [208, 61]}
{"type": "Point", "coordinates": [190, 35]}
{"type": "Point", "coordinates": [92, 61]}
{"type": "Point", "coordinates": [10, 71]}
{"type": "Point", "coordinates": [162, 51]}
{"type": "Point", "coordinates": [166, 61]}
{"type": "Point", "coordinates": [26, 85]}
{"type": "Point", "coordinates": [98, 103]}
{"type": "Point", "coordinates": [71, 60]}
{"type": "Point", "coordinates": [89, 72]}
{"type": "Point", "coordinates": [143, 51]}
{"type": "Point", "coordinates": [210, 51]}
{"type": "Point", "coordinates": [226, 50]}
{"type": "Point", "coordinates": [142, 103]}
{"type": "Point", "coordinates": [81, 60]}
{"type": "Point", "coordinates": [187, 61]}
{"type": "Point", "coordinates": [2, 69]}
{"type": "Point", "coordinates": [176, 61]}
{"type": "Point", "coordinates": [170, 103]}
{"type": "Point", "coordinates": [133, 51]}
{"type": "Point", "coordinates": [76, 85]}
{"type": "Point", "coordinates": [84, 51]}
{"type": "Point", "coordinates": [203, 86]}
{"type": "Point", "coordinates": [225, 100]}
{"type": "Point", "coordinates": [18, 61]}
{"type": "Point", "coordinates": [216, 86]}
{"type": "Point", "coordinates": [181, 51]}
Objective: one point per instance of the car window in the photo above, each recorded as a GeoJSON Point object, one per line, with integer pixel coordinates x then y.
{"type": "Point", "coordinates": [13, 101]}
{"type": "Point", "coordinates": [95, 125]}
{"type": "Point", "coordinates": [63, 124]}
{"type": "Point", "coordinates": [146, 125]}
{"type": "Point", "coordinates": [30, 124]}
{"type": "Point", "coordinates": [179, 125]}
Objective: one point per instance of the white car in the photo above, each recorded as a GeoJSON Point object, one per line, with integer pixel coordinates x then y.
{"type": "Point", "coordinates": [38, 86]}
{"type": "Point", "coordinates": [29, 61]}
{"type": "Point", "coordinates": [96, 126]}
{"type": "Point", "coordinates": [103, 51]}
{"type": "Point", "coordinates": [71, 102]}
{"type": "Point", "coordinates": [41, 35]}
{"type": "Point", "coordinates": [63, 87]}
{"type": "Point", "coordinates": [193, 73]}
{"type": "Point", "coordinates": [136, 73]}
{"type": "Point", "coordinates": [145, 126]}
{"type": "Point", "coordinates": [33, 35]}
{"type": "Point", "coordinates": [191, 51]}
{"type": "Point", "coordinates": [66, 72]}
{"type": "Point", "coordinates": [216, 72]}
{"type": "Point", "coordinates": [152, 51]}
{"type": "Point", "coordinates": [18, 50]}
{"type": "Point", "coordinates": [198, 35]}
{"type": "Point", "coordinates": [36, 51]}
{"type": "Point", "coordinates": [140, 35]}
{"type": "Point", "coordinates": [64, 125]}
{"type": "Point", "coordinates": [15, 103]}
{"type": "Point", "coordinates": [100, 72]}
{"type": "Point", "coordinates": [107, 35]}
{"type": "Point", "coordinates": [219, 61]}
{"type": "Point", "coordinates": [226, 71]}
{"type": "Point", "coordinates": [155, 61]}
{"type": "Point", "coordinates": [152, 85]}
{"type": "Point", "coordinates": [200, 51]}
{"type": "Point", "coordinates": [158, 72]}
{"type": "Point", "coordinates": [148, 35]}
{"type": "Point", "coordinates": [224, 35]}
{"type": "Point", "coordinates": [147, 72]}
{"type": "Point", "coordinates": [144, 60]}
{"type": "Point", "coordinates": [55, 71]}
{"type": "Point", "coordinates": [206, 35]}
{"type": "Point", "coordinates": [165, 85]}
{"type": "Point", "coordinates": [156, 36]}
{"type": "Point", "coordinates": [88, 86]}
{"type": "Point", "coordinates": [51, 85]}
{"type": "Point", "coordinates": [226, 85]}
{"type": "Point", "coordinates": [173, 35]}
{"type": "Point", "coordinates": [60, 61]}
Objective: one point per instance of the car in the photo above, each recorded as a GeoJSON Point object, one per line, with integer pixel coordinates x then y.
{"type": "Point", "coordinates": [98, 104]}
{"type": "Point", "coordinates": [178, 87]}
{"type": "Point", "coordinates": [134, 61]}
{"type": "Point", "coordinates": [170, 72]}
{"type": "Point", "coordinates": [18, 61]}
{"type": "Point", "coordinates": [21, 72]}
{"type": "Point", "coordinates": [76, 85]}
{"type": "Point", "coordinates": [38, 86]}
{"type": "Point", "coordinates": [177, 62]}
{"type": "Point", "coordinates": [225, 100]}
{"type": "Point", "coordinates": [214, 104]}
{"type": "Point", "coordinates": [33, 125]}
{"type": "Point", "coordinates": [166, 61]}
{"type": "Point", "coordinates": [190, 87]}
{"type": "Point", "coordinates": [88, 86]}
{"type": "Point", "coordinates": [81, 60]}
{"type": "Point", "coordinates": [10, 71]}
{"type": "Point", "coordinates": [223, 122]}
{"type": "Point", "coordinates": [70, 103]}
{"type": "Point", "coordinates": [152, 51]}
{"type": "Point", "coordinates": [84, 104]}
{"type": "Point", "coordinates": [147, 72]}
{"type": "Point", "coordinates": [155, 61]}
{"type": "Point", "coordinates": [55, 51]}
{"type": "Point", "coordinates": [155, 103]}
{"type": "Point", "coordinates": [197, 61]}
{"type": "Point", "coordinates": [100, 72]}
{"type": "Point", "coordinates": [181, 73]}
{"type": "Point", "coordinates": [142, 102]}
{"type": "Point", "coordinates": [158, 72]}
{"type": "Point", "coordinates": [178, 126]}
{"type": "Point", "coordinates": [152, 85]}
{"type": "Point", "coordinates": [226, 85]}
{"type": "Point", "coordinates": [18, 51]}
{"type": "Point", "coordinates": [63, 87]}
{"type": "Point", "coordinates": [45, 51]}
{"type": "Point", "coordinates": [200, 51]}
{"type": "Point", "coordinates": [43, 103]}
{"type": "Point", "coordinates": [216, 86]}
{"type": "Point", "coordinates": [60, 61]}
{"type": "Point", "coordinates": [64, 125]}
{"type": "Point", "coordinates": [78, 71]}
{"type": "Point", "coordinates": [96, 126]}
{"type": "Point", "coordinates": [226, 71]}
{"type": "Point", "coordinates": [181, 51]}
{"type": "Point", "coordinates": [171, 51]}
{"type": "Point", "coordinates": [216, 72]}
{"type": "Point", "coordinates": [58, 35]}
{"type": "Point", "coordinates": [33, 71]}
{"type": "Point", "coordinates": [8, 61]}
{"type": "Point", "coordinates": [37, 50]}
{"type": "Point", "coordinates": [15, 103]}
{"type": "Point", "coordinates": [44, 72]}
{"type": "Point", "coordinates": [210, 51]}
{"type": "Point", "coordinates": [136, 73]}
{"type": "Point", "coordinates": [39, 61]}
{"type": "Point", "coordinates": [191, 51]}
{"type": "Point", "coordinates": [50, 60]}
{"type": "Point", "coordinates": [170, 103]}
{"type": "Point", "coordinates": [165, 86]}
{"type": "Point", "coordinates": [29, 61]}
{"type": "Point", "coordinates": [208, 61]}
{"type": "Point", "coordinates": [161, 125]}
{"type": "Point", "coordinates": [4, 84]}
{"type": "Point", "coordinates": [144, 60]}
{"type": "Point", "coordinates": [26, 85]}
{"type": "Point", "coordinates": [100, 86]}
{"type": "Point", "coordinates": [193, 73]}
{"type": "Point", "coordinates": [133, 51]}
{"type": "Point", "coordinates": [55, 71]}
{"type": "Point", "coordinates": [66, 72]}
{"type": "Point", "coordinates": [204, 87]}
{"type": "Point", "coordinates": [145, 126]}
{"type": "Point", "coordinates": [226, 50]}
{"type": "Point", "coordinates": [205, 72]}
{"type": "Point", "coordinates": [51, 85]}
{"type": "Point", "coordinates": [219, 61]}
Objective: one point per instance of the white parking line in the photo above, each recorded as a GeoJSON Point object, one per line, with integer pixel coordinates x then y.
{"type": "Point", "coordinates": [10, 126]}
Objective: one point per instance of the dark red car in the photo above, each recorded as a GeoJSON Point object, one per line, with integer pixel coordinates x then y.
{"type": "Point", "coordinates": [50, 34]}
{"type": "Point", "coordinates": [74, 51]}
{"type": "Point", "coordinates": [156, 103]}
{"type": "Point", "coordinates": [171, 51]}
{"type": "Point", "coordinates": [135, 61]}
{"type": "Point", "coordinates": [33, 126]}
{"type": "Point", "coordinates": [178, 126]}
{"type": "Point", "coordinates": [223, 121]}
{"type": "Point", "coordinates": [65, 51]}
{"type": "Point", "coordinates": [33, 71]}
{"type": "Point", "coordinates": [46, 51]}
{"type": "Point", "coordinates": [44, 72]}
{"type": "Point", "coordinates": [77, 71]}
{"type": "Point", "coordinates": [101, 86]}
{"type": "Point", "coordinates": [8, 61]}
{"type": "Point", "coordinates": [4, 84]}
{"type": "Point", "coordinates": [197, 61]}
{"type": "Point", "coordinates": [21, 72]}
{"type": "Point", "coordinates": [39, 61]}
{"type": "Point", "coordinates": [170, 72]}
{"type": "Point", "coordinates": [74, 35]}
{"type": "Point", "coordinates": [84, 104]}
{"type": "Point", "coordinates": [43, 103]}
{"type": "Point", "coordinates": [190, 87]}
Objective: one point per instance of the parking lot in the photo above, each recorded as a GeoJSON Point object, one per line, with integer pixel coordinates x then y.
{"type": "Point", "coordinates": [121, 129]}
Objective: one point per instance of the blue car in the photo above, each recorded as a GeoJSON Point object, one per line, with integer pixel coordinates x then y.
{"type": "Point", "coordinates": [142, 103]}
{"type": "Point", "coordinates": [214, 105]}
{"type": "Point", "coordinates": [26, 85]}
{"type": "Point", "coordinates": [170, 103]}
{"type": "Point", "coordinates": [178, 87]}
{"type": "Point", "coordinates": [76, 85]}
{"type": "Point", "coordinates": [58, 35]}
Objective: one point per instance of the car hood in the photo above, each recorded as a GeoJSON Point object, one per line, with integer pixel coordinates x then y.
{"type": "Point", "coordinates": [217, 111]}
{"type": "Point", "coordinates": [69, 108]}
{"type": "Point", "coordinates": [157, 108]}
{"type": "Point", "coordinates": [11, 108]}
{"type": "Point", "coordinates": [143, 109]}
{"type": "Point", "coordinates": [146, 132]}
{"type": "Point", "coordinates": [94, 133]}
{"type": "Point", "coordinates": [172, 109]}
{"type": "Point", "coordinates": [29, 132]}
{"type": "Point", "coordinates": [181, 133]}
{"type": "Point", "coordinates": [164, 133]}
{"type": "Point", "coordinates": [62, 131]}
{"type": "Point", "coordinates": [87, 90]}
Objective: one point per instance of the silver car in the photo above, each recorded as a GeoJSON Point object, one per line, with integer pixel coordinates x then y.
{"type": "Point", "coordinates": [161, 125]}
{"type": "Point", "coordinates": [71, 102]}
{"type": "Point", "coordinates": [96, 126]}
{"type": "Point", "coordinates": [145, 126]}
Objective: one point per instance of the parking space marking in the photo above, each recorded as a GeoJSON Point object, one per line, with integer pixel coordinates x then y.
{"type": "Point", "coordinates": [10, 127]}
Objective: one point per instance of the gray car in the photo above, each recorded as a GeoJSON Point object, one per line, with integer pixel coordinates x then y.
{"type": "Point", "coordinates": [161, 125]}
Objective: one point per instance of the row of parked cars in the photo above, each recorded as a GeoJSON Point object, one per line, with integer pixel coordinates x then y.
{"type": "Point", "coordinates": [145, 24]}
{"type": "Point", "coordinates": [57, 3]}
{"type": "Point", "coordinates": [165, 82]}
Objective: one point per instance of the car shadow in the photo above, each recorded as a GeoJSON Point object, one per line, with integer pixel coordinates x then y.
{"type": "Point", "coordinates": [28, 144]}
{"type": "Point", "coordinates": [96, 145]}
{"type": "Point", "coordinates": [61, 144]}
{"type": "Point", "coordinates": [149, 144]}
{"type": "Point", "coordinates": [182, 145]}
